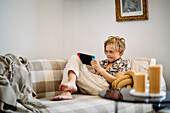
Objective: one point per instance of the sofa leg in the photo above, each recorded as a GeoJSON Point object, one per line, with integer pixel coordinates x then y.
{"type": "Point", "coordinates": [116, 106]}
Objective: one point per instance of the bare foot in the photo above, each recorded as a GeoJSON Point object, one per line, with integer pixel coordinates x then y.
{"type": "Point", "coordinates": [65, 95]}
{"type": "Point", "coordinates": [68, 87]}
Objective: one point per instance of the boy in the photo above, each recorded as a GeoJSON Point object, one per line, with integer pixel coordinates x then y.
{"type": "Point", "coordinates": [76, 73]}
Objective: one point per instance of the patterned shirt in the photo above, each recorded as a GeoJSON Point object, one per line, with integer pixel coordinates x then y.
{"type": "Point", "coordinates": [118, 65]}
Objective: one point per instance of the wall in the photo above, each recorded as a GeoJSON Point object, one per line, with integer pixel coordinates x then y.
{"type": "Point", "coordinates": [87, 23]}
{"type": "Point", "coordinates": [50, 29]}
{"type": "Point", "coordinates": [56, 29]}
{"type": "Point", "coordinates": [18, 27]}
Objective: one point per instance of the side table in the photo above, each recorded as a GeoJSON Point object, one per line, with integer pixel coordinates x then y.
{"type": "Point", "coordinates": [123, 95]}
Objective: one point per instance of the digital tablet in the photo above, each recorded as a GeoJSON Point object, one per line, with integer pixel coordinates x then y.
{"type": "Point", "coordinates": [85, 58]}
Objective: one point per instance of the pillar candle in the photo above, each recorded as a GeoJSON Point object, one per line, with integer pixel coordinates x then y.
{"type": "Point", "coordinates": [140, 82]}
{"type": "Point", "coordinates": [155, 73]}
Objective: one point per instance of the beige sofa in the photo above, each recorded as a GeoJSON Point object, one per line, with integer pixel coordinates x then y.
{"type": "Point", "coordinates": [47, 75]}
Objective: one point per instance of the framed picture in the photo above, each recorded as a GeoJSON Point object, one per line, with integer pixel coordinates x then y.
{"type": "Point", "coordinates": [131, 10]}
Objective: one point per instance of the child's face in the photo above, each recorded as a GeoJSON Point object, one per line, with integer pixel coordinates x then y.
{"type": "Point", "coordinates": [111, 53]}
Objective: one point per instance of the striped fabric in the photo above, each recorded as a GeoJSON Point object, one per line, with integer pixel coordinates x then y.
{"type": "Point", "coordinates": [46, 76]}
{"type": "Point", "coordinates": [93, 104]}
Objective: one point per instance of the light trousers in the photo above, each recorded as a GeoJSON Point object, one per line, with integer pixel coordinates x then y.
{"type": "Point", "coordinates": [87, 82]}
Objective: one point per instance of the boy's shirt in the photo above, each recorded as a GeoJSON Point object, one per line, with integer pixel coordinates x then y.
{"type": "Point", "coordinates": [118, 65]}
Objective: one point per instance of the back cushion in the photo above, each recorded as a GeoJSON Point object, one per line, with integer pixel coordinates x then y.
{"type": "Point", "coordinates": [46, 76]}
{"type": "Point", "coordinates": [142, 64]}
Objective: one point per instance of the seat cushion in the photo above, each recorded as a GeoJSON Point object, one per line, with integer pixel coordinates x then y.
{"type": "Point", "coordinates": [93, 104]}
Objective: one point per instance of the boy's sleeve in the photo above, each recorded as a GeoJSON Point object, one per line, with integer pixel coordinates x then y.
{"type": "Point", "coordinates": [124, 66]}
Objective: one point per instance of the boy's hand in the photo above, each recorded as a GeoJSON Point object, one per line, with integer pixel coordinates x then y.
{"type": "Point", "coordinates": [96, 65]}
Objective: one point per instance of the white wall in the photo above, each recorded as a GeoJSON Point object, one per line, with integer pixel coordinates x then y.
{"type": "Point", "coordinates": [87, 23]}
{"type": "Point", "coordinates": [56, 29]}
{"type": "Point", "coordinates": [50, 29]}
{"type": "Point", "coordinates": [18, 27]}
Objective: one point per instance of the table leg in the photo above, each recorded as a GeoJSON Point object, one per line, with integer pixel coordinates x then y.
{"type": "Point", "coordinates": [116, 106]}
{"type": "Point", "coordinates": [158, 106]}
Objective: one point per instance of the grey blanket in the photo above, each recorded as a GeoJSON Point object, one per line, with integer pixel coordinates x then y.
{"type": "Point", "coordinates": [16, 93]}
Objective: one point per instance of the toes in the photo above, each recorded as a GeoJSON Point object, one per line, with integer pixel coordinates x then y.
{"type": "Point", "coordinates": [58, 98]}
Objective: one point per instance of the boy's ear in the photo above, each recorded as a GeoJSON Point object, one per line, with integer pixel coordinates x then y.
{"type": "Point", "coordinates": [121, 53]}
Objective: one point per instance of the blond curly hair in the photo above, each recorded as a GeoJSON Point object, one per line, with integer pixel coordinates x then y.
{"type": "Point", "coordinates": [117, 42]}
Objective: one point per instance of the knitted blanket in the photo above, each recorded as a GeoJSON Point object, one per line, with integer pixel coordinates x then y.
{"type": "Point", "coordinates": [125, 81]}
{"type": "Point", "coordinates": [16, 93]}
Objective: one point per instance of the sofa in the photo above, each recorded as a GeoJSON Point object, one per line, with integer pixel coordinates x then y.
{"type": "Point", "coordinates": [46, 76]}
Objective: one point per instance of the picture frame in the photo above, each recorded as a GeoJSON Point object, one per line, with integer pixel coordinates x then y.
{"type": "Point", "coordinates": [131, 10]}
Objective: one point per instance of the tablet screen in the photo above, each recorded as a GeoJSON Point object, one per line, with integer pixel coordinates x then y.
{"type": "Point", "coordinates": [85, 58]}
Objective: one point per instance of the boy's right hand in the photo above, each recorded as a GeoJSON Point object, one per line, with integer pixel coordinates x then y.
{"type": "Point", "coordinates": [95, 64]}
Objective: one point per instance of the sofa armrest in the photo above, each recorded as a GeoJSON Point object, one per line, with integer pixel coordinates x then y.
{"type": "Point", "coordinates": [46, 76]}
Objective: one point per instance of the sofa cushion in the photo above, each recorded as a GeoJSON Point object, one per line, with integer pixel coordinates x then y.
{"type": "Point", "coordinates": [46, 76]}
